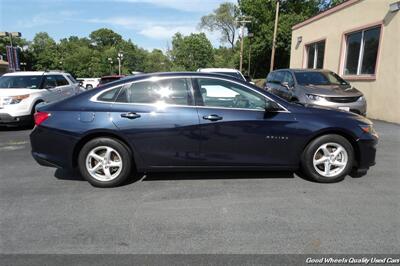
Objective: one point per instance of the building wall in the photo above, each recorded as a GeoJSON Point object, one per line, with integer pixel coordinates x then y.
{"type": "Point", "coordinates": [383, 91]}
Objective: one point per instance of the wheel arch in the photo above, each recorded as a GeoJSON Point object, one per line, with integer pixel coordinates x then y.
{"type": "Point", "coordinates": [347, 135]}
{"type": "Point", "coordinates": [102, 134]}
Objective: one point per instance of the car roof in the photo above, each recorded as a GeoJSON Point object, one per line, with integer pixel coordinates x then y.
{"type": "Point", "coordinates": [302, 70]}
{"type": "Point", "coordinates": [112, 76]}
{"type": "Point", "coordinates": [217, 70]}
{"type": "Point", "coordinates": [33, 73]}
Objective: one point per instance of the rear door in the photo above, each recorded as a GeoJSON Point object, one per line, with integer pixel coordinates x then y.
{"type": "Point", "coordinates": [237, 131]}
{"type": "Point", "coordinates": [67, 88]}
{"type": "Point", "coordinates": [51, 92]}
{"type": "Point", "coordinates": [160, 120]}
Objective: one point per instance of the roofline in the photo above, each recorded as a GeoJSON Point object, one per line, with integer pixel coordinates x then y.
{"type": "Point", "coordinates": [325, 13]}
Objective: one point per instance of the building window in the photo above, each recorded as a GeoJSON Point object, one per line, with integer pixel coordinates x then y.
{"type": "Point", "coordinates": [315, 54]}
{"type": "Point", "coordinates": [362, 51]}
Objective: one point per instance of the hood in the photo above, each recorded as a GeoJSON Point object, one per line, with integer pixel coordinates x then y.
{"type": "Point", "coordinates": [5, 92]}
{"type": "Point", "coordinates": [331, 90]}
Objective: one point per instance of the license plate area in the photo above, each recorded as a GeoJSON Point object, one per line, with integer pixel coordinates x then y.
{"type": "Point", "coordinates": [344, 108]}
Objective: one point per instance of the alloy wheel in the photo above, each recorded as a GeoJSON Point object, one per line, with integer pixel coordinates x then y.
{"type": "Point", "coordinates": [330, 159]}
{"type": "Point", "coordinates": [104, 163]}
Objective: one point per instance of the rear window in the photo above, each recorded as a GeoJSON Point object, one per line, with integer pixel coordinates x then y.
{"type": "Point", "coordinates": [109, 96]}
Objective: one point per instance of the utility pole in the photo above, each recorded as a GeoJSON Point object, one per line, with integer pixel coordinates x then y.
{"type": "Point", "coordinates": [242, 24]}
{"type": "Point", "coordinates": [120, 57]}
{"type": "Point", "coordinates": [274, 38]}
{"type": "Point", "coordinates": [249, 35]}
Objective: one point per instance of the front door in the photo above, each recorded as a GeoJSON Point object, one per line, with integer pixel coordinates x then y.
{"type": "Point", "coordinates": [160, 120]}
{"type": "Point", "coordinates": [237, 131]}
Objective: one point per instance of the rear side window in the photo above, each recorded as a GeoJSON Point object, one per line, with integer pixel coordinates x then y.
{"type": "Point", "coordinates": [170, 91]}
{"type": "Point", "coordinates": [109, 96]}
{"type": "Point", "coordinates": [61, 81]}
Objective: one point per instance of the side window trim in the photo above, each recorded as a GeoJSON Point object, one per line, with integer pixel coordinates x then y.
{"type": "Point", "coordinates": [188, 80]}
{"type": "Point", "coordinates": [200, 103]}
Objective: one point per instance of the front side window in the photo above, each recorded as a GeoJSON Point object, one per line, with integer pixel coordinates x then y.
{"type": "Point", "coordinates": [61, 81]}
{"type": "Point", "coordinates": [169, 91]}
{"type": "Point", "coordinates": [221, 93]}
{"type": "Point", "coordinates": [315, 55]}
{"type": "Point", "coordinates": [50, 82]}
{"type": "Point", "coordinates": [20, 82]}
{"type": "Point", "coordinates": [362, 51]}
{"type": "Point", "coordinates": [287, 77]}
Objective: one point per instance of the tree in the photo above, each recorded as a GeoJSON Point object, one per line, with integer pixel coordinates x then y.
{"type": "Point", "coordinates": [191, 52]}
{"type": "Point", "coordinates": [222, 20]}
{"type": "Point", "coordinates": [105, 37]}
{"type": "Point", "coordinates": [263, 14]}
{"type": "Point", "coordinates": [156, 61]}
{"type": "Point", "coordinates": [44, 52]}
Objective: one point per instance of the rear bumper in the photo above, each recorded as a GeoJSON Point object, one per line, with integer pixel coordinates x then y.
{"type": "Point", "coordinates": [52, 148]}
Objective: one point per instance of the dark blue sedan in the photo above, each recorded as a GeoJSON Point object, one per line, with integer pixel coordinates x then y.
{"type": "Point", "coordinates": [197, 121]}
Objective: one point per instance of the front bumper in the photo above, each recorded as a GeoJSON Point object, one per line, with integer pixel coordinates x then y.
{"type": "Point", "coordinates": [366, 153]}
{"type": "Point", "coordinates": [8, 120]}
{"type": "Point", "coordinates": [358, 107]}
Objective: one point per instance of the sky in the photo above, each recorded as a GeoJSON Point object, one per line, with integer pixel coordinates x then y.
{"type": "Point", "coordinates": [148, 23]}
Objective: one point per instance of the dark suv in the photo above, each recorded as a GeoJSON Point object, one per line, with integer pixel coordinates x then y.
{"type": "Point", "coordinates": [317, 87]}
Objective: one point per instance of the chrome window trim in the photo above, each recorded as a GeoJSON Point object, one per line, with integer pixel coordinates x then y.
{"type": "Point", "coordinates": [155, 79]}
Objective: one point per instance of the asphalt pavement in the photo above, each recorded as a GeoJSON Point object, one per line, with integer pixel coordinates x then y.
{"type": "Point", "coordinates": [43, 210]}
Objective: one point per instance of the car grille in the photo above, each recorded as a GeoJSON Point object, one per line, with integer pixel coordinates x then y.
{"type": "Point", "coordinates": [342, 99]}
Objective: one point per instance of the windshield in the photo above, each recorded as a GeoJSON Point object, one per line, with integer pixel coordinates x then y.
{"type": "Point", "coordinates": [232, 74]}
{"type": "Point", "coordinates": [319, 78]}
{"type": "Point", "coordinates": [109, 79]}
{"type": "Point", "coordinates": [20, 82]}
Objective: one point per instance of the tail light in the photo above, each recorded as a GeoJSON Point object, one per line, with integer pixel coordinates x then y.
{"type": "Point", "coordinates": [40, 117]}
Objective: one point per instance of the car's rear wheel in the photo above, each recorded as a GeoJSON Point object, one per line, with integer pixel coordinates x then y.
{"type": "Point", "coordinates": [89, 87]}
{"type": "Point", "coordinates": [328, 159]}
{"type": "Point", "coordinates": [105, 162]}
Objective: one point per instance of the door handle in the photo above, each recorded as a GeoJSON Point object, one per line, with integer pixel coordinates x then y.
{"type": "Point", "coordinates": [212, 117]}
{"type": "Point", "coordinates": [130, 115]}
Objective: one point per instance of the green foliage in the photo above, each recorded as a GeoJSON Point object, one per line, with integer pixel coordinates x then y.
{"type": "Point", "coordinates": [263, 14]}
{"type": "Point", "coordinates": [156, 61]}
{"type": "Point", "coordinates": [222, 20]}
{"type": "Point", "coordinates": [191, 52]}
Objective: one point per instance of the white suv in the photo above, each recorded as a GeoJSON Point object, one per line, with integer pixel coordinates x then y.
{"type": "Point", "coordinates": [21, 92]}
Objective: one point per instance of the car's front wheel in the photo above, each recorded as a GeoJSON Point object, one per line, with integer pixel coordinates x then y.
{"type": "Point", "coordinates": [105, 162]}
{"type": "Point", "coordinates": [328, 159]}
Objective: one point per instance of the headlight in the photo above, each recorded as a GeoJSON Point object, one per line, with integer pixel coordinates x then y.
{"type": "Point", "coordinates": [14, 99]}
{"type": "Point", "coordinates": [360, 99]}
{"type": "Point", "coordinates": [369, 129]}
{"type": "Point", "coordinates": [314, 97]}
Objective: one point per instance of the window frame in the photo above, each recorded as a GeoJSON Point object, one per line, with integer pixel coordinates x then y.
{"type": "Point", "coordinates": [343, 53]}
{"type": "Point", "coordinates": [195, 93]}
{"type": "Point", "coordinates": [306, 49]}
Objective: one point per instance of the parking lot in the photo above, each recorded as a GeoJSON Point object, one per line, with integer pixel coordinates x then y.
{"type": "Point", "coordinates": [43, 210]}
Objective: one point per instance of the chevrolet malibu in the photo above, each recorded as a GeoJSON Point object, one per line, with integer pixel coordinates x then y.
{"type": "Point", "coordinates": [197, 121]}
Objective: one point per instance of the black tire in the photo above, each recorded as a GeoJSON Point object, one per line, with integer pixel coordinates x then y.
{"type": "Point", "coordinates": [307, 165]}
{"type": "Point", "coordinates": [121, 148]}
{"type": "Point", "coordinates": [89, 87]}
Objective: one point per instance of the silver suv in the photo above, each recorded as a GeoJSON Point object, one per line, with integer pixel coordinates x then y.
{"type": "Point", "coordinates": [316, 87]}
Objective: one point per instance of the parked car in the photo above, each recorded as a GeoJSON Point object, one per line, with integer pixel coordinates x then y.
{"type": "Point", "coordinates": [197, 121]}
{"type": "Point", "coordinates": [225, 71]}
{"type": "Point", "coordinates": [107, 79]}
{"type": "Point", "coordinates": [21, 92]}
{"type": "Point", "coordinates": [88, 83]}
{"type": "Point", "coordinates": [317, 87]}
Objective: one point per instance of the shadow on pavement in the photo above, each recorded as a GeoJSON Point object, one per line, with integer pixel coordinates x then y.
{"type": "Point", "coordinates": [63, 174]}
{"type": "Point", "coordinates": [15, 128]}
{"type": "Point", "coordinates": [216, 175]}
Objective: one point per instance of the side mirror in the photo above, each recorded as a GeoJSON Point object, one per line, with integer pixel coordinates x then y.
{"type": "Point", "coordinates": [287, 85]}
{"type": "Point", "coordinates": [271, 107]}
{"type": "Point", "coordinates": [48, 87]}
